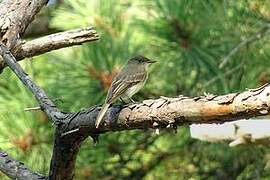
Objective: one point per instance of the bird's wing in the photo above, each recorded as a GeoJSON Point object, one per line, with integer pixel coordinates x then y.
{"type": "Point", "coordinates": [121, 84]}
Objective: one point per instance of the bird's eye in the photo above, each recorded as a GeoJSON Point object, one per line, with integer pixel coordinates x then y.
{"type": "Point", "coordinates": [140, 61]}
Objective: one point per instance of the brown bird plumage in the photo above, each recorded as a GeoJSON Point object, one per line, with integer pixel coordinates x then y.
{"type": "Point", "coordinates": [126, 83]}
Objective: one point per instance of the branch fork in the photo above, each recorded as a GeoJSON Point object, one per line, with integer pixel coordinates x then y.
{"type": "Point", "coordinates": [73, 128]}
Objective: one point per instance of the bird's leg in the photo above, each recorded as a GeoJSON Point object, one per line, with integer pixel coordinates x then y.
{"type": "Point", "coordinates": [126, 97]}
{"type": "Point", "coordinates": [131, 99]}
{"type": "Point", "coordinates": [122, 100]}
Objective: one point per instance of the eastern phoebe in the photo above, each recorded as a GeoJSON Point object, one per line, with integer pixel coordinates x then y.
{"type": "Point", "coordinates": [126, 83]}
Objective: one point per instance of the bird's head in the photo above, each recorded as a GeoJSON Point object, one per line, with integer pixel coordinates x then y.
{"type": "Point", "coordinates": [139, 59]}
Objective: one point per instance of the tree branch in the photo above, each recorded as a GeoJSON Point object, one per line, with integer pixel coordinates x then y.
{"type": "Point", "coordinates": [159, 113]}
{"type": "Point", "coordinates": [15, 16]}
{"type": "Point", "coordinates": [164, 112]}
{"type": "Point", "coordinates": [45, 103]}
{"type": "Point", "coordinates": [170, 112]}
{"type": "Point", "coordinates": [56, 41]}
{"type": "Point", "coordinates": [16, 170]}
{"type": "Point", "coordinates": [64, 156]}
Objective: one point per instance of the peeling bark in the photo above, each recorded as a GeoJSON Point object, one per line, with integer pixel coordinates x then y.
{"type": "Point", "coordinates": [15, 16]}
{"type": "Point", "coordinates": [170, 112]}
{"type": "Point", "coordinates": [55, 41]}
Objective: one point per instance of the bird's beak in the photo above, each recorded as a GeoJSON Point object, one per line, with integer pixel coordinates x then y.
{"type": "Point", "coordinates": [151, 61]}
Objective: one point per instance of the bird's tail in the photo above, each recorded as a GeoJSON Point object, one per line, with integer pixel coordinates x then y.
{"type": "Point", "coordinates": [101, 114]}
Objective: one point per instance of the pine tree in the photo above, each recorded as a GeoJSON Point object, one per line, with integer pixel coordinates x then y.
{"type": "Point", "coordinates": [201, 46]}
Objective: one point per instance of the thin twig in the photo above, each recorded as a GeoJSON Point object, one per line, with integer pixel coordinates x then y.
{"type": "Point", "coordinates": [229, 72]}
{"type": "Point", "coordinates": [69, 132]}
{"type": "Point", "coordinates": [257, 36]}
{"type": "Point", "coordinates": [32, 109]}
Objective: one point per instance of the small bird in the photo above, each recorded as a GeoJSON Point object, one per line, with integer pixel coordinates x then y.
{"type": "Point", "coordinates": [126, 83]}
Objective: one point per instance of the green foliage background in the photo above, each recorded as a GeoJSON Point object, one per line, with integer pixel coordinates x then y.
{"type": "Point", "coordinates": [189, 39]}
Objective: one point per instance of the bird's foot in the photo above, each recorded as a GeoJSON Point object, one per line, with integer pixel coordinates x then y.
{"type": "Point", "coordinates": [122, 100]}
{"type": "Point", "coordinates": [131, 100]}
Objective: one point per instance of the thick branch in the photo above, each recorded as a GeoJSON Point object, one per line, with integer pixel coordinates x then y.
{"type": "Point", "coordinates": [15, 16]}
{"type": "Point", "coordinates": [16, 170]}
{"type": "Point", "coordinates": [169, 112]}
{"type": "Point", "coordinates": [56, 41]}
{"type": "Point", "coordinates": [159, 113]}
{"type": "Point", "coordinates": [65, 152]}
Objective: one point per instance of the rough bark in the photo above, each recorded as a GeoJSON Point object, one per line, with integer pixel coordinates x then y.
{"type": "Point", "coordinates": [17, 170]}
{"type": "Point", "coordinates": [55, 41]}
{"type": "Point", "coordinates": [170, 112]}
{"type": "Point", "coordinates": [65, 151]}
{"type": "Point", "coordinates": [15, 16]}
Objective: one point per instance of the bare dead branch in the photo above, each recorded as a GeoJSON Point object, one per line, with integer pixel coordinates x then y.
{"type": "Point", "coordinates": [15, 16]}
{"type": "Point", "coordinates": [159, 113]}
{"type": "Point", "coordinates": [45, 103]}
{"type": "Point", "coordinates": [171, 112]}
{"type": "Point", "coordinates": [64, 156]}
{"type": "Point", "coordinates": [32, 109]}
{"type": "Point", "coordinates": [17, 170]}
{"type": "Point", "coordinates": [56, 41]}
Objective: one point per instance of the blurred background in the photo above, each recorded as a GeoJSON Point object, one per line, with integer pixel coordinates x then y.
{"type": "Point", "coordinates": [191, 40]}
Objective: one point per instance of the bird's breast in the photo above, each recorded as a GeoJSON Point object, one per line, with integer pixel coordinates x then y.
{"type": "Point", "coordinates": [134, 89]}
